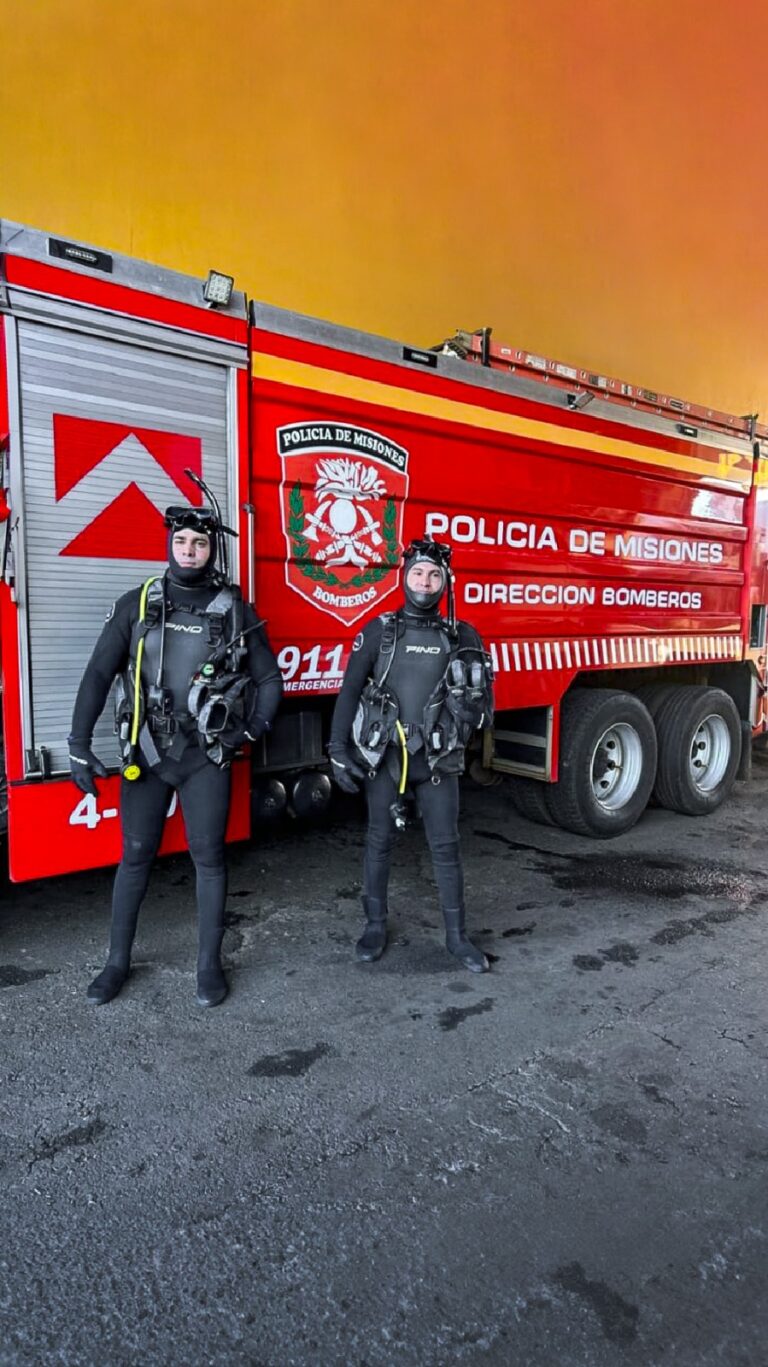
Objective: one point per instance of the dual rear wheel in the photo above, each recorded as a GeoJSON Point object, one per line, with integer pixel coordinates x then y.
{"type": "Point", "coordinates": [676, 745]}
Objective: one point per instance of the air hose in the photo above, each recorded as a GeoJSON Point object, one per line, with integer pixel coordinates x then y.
{"type": "Point", "coordinates": [398, 806]}
{"type": "Point", "coordinates": [131, 770]}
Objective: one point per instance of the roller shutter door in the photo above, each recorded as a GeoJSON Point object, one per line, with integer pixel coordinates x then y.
{"type": "Point", "coordinates": [105, 425]}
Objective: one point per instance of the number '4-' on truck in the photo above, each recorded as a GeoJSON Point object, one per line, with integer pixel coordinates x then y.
{"type": "Point", "coordinates": [610, 544]}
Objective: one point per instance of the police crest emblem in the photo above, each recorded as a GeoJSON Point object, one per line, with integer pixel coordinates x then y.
{"type": "Point", "coordinates": [342, 496]}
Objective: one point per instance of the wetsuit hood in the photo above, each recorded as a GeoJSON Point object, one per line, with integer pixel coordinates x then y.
{"type": "Point", "coordinates": [435, 554]}
{"type": "Point", "coordinates": [196, 520]}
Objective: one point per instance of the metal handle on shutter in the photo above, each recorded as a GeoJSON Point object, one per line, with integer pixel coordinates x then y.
{"type": "Point", "coordinates": [250, 512]}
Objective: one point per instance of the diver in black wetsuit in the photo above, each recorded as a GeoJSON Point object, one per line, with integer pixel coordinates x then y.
{"type": "Point", "coordinates": [415, 689]}
{"type": "Point", "coordinates": [183, 639]}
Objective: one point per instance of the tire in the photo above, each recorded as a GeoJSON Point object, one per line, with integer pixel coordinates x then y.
{"type": "Point", "coordinates": [699, 735]}
{"type": "Point", "coordinates": [653, 696]}
{"type": "Point", "coordinates": [529, 798]}
{"type": "Point", "coordinates": [596, 795]}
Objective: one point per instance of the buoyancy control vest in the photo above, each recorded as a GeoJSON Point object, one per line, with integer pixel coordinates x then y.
{"type": "Point", "coordinates": [428, 687]}
{"type": "Point", "coordinates": [418, 662]}
{"type": "Point", "coordinates": [184, 655]}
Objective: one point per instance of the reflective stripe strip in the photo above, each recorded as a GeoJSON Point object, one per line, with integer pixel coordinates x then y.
{"type": "Point", "coordinates": [540, 657]}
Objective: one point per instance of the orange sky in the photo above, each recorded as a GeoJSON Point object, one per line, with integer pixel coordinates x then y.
{"type": "Point", "coordinates": [588, 177]}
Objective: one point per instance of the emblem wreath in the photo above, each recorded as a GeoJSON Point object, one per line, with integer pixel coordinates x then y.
{"type": "Point", "coordinates": [301, 552]}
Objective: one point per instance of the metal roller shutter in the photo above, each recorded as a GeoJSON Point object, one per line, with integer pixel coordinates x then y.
{"type": "Point", "coordinates": [64, 598]}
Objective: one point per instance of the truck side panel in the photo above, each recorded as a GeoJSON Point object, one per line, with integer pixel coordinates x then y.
{"type": "Point", "coordinates": [54, 829]}
{"type": "Point", "coordinates": [580, 543]}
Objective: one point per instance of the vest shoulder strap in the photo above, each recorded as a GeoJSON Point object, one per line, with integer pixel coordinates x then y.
{"type": "Point", "coordinates": [390, 623]}
{"type": "Point", "coordinates": [223, 601]}
{"type": "Point", "coordinates": [225, 623]}
{"type": "Point", "coordinates": [151, 601]}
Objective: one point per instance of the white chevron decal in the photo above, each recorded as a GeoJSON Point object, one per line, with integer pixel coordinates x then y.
{"type": "Point", "coordinates": [128, 463]}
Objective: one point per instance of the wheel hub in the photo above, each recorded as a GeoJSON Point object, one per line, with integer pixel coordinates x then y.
{"type": "Point", "coordinates": [617, 762]}
{"type": "Point", "coordinates": [710, 753]}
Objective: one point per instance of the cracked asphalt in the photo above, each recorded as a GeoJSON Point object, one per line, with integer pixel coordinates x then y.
{"type": "Point", "coordinates": [561, 1162]}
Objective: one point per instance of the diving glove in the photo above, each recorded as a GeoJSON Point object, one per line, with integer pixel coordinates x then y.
{"type": "Point", "coordinates": [84, 766]}
{"type": "Point", "coordinates": [345, 768]}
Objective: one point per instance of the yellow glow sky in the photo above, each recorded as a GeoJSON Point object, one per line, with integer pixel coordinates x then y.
{"type": "Point", "coordinates": [588, 176]}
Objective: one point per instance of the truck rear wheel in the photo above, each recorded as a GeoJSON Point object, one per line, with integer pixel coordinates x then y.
{"type": "Point", "coordinates": [655, 695]}
{"type": "Point", "coordinates": [607, 763]}
{"type": "Point", "coordinates": [529, 798]}
{"type": "Point", "coordinates": [699, 735]}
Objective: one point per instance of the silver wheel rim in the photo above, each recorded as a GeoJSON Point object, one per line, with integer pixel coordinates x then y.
{"type": "Point", "coordinates": [710, 753]}
{"type": "Point", "coordinates": [617, 764]}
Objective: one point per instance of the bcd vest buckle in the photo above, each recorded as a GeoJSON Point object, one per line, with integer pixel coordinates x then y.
{"type": "Point", "coordinates": [436, 739]}
{"type": "Point", "coordinates": [215, 629]}
{"type": "Point", "coordinates": [161, 725]}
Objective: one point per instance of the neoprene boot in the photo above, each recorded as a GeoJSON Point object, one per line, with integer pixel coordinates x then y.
{"type": "Point", "coordinates": [211, 985]}
{"type": "Point", "coordinates": [456, 942]}
{"type": "Point", "coordinates": [130, 885]}
{"type": "Point", "coordinates": [373, 940]}
{"type": "Point", "coordinates": [108, 983]}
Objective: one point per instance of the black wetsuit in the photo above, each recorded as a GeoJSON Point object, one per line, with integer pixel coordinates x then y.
{"type": "Point", "coordinates": [203, 788]}
{"type": "Point", "coordinates": [421, 656]}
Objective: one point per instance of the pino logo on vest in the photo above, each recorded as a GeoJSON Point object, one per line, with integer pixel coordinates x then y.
{"type": "Point", "coordinates": [342, 496]}
{"type": "Point", "coordinates": [131, 474]}
{"type": "Point", "coordinates": [422, 650]}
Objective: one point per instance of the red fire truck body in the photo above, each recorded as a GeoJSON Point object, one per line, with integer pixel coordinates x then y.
{"type": "Point", "coordinates": [608, 543]}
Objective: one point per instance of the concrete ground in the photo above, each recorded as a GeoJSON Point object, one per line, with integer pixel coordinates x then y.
{"type": "Point", "coordinates": [562, 1162]}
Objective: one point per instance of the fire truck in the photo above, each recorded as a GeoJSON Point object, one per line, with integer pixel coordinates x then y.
{"type": "Point", "coordinates": [610, 543]}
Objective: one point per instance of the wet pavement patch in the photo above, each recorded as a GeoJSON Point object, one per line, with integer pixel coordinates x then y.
{"type": "Point", "coordinates": [79, 1137]}
{"type": "Point", "coordinates": [618, 1318]}
{"type": "Point", "coordinates": [621, 953]}
{"type": "Point", "coordinates": [588, 963]}
{"type": "Point", "coordinates": [653, 1093]}
{"type": "Point", "coordinates": [235, 918]}
{"type": "Point", "coordinates": [453, 1016]}
{"type": "Point", "coordinates": [13, 976]}
{"type": "Point", "coordinates": [620, 1123]}
{"type": "Point", "coordinates": [566, 1069]}
{"type": "Point", "coordinates": [662, 879]}
{"type": "Point", "coordinates": [234, 942]}
{"type": "Point", "coordinates": [675, 931]}
{"type": "Point", "coordinates": [519, 930]}
{"type": "Point", "coordinates": [291, 1063]}
{"type": "Point", "coordinates": [640, 875]}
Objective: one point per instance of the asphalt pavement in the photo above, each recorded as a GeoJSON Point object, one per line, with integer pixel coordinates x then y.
{"type": "Point", "coordinates": [561, 1162]}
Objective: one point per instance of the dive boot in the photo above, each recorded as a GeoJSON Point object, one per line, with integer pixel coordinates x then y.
{"type": "Point", "coordinates": [211, 985]}
{"type": "Point", "coordinates": [373, 940]}
{"type": "Point", "coordinates": [107, 984]}
{"type": "Point", "coordinates": [456, 942]}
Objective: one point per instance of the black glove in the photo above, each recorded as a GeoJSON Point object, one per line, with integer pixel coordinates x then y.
{"type": "Point", "coordinates": [237, 733]}
{"type": "Point", "coordinates": [256, 728]}
{"type": "Point", "coordinates": [345, 768]}
{"type": "Point", "coordinates": [84, 766]}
